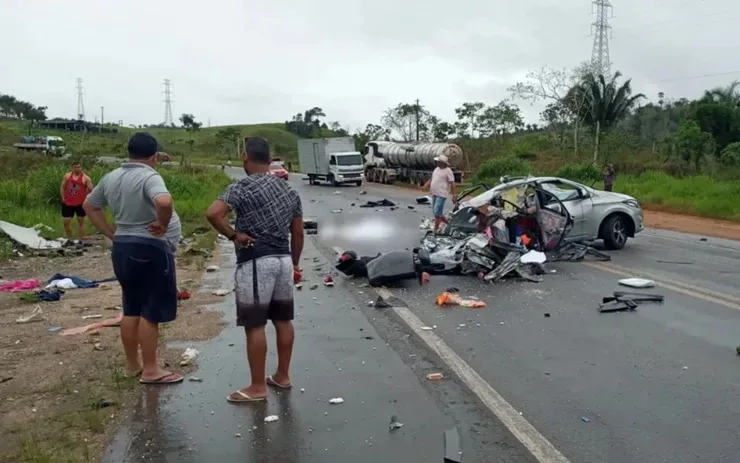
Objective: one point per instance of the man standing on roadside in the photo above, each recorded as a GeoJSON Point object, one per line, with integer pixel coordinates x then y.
{"type": "Point", "coordinates": [609, 177]}
{"type": "Point", "coordinates": [76, 185]}
{"type": "Point", "coordinates": [147, 230]}
{"type": "Point", "coordinates": [269, 240]}
{"type": "Point", "coordinates": [441, 186]}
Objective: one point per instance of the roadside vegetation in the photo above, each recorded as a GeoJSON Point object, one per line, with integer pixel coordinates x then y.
{"type": "Point", "coordinates": [30, 192]}
{"type": "Point", "coordinates": [672, 153]}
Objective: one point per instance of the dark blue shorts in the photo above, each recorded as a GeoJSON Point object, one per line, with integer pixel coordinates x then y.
{"type": "Point", "coordinates": [145, 268]}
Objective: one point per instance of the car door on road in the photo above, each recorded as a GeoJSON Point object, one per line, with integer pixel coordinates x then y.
{"type": "Point", "coordinates": [578, 205]}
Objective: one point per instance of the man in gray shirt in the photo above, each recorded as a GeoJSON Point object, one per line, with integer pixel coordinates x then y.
{"type": "Point", "coordinates": [145, 236]}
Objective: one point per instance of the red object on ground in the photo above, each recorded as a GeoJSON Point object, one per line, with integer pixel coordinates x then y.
{"type": "Point", "coordinates": [328, 280]}
{"type": "Point", "coordinates": [183, 295]}
{"type": "Point", "coordinates": [425, 277]}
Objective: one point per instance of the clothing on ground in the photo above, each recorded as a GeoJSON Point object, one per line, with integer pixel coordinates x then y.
{"type": "Point", "coordinates": [271, 280]}
{"type": "Point", "coordinates": [130, 192]}
{"type": "Point", "coordinates": [438, 206]}
{"type": "Point", "coordinates": [264, 205]}
{"type": "Point", "coordinates": [71, 211]}
{"type": "Point", "coordinates": [146, 271]}
{"type": "Point", "coordinates": [442, 178]}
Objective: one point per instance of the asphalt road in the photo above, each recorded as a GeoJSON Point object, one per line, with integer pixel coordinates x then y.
{"type": "Point", "coordinates": [344, 348]}
{"type": "Point", "coordinates": [658, 384]}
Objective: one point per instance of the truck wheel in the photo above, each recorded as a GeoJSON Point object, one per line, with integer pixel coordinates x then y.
{"type": "Point", "coordinates": [332, 181]}
{"type": "Point", "coordinates": [358, 183]}
{"type": "Point", "coordinates": [384, 178]}
{"type": "Point", "coordinates": [311, 180]}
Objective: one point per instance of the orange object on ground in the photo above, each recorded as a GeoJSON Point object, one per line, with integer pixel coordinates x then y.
{"type": "Point", "coordinates": [447, 298]}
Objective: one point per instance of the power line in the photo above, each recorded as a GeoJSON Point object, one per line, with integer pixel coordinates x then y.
{"type": "Point", "coordinates": [716, 74]}
{"type": "Point", "coordinates": [600, 61]}
{"type": "Point", "coordinates": [168, 121]}
{"type": "Point", "coordinates": [80, 102]}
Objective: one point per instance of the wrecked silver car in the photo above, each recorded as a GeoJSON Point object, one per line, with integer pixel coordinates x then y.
{"type": "Point", "coordinates": [510, 229]}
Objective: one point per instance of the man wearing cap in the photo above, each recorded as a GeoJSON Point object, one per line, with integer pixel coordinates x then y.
{"type": "Point", "coordinates": [268, 236]}
{"type": "Point", "coordinates": [441, 186]}
{"type": "Point", "coordinates": [145, 236]}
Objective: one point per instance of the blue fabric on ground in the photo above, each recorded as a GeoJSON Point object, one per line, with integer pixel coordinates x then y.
{"type": "Point", "coordinates": [81, 282]}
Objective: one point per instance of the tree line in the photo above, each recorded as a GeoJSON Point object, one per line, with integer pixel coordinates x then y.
{"type": "Point", "coordinates": [13, 108]}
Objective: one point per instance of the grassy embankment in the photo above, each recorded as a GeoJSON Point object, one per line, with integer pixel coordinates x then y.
{"type": "Point", "coordinates": [29, 193]}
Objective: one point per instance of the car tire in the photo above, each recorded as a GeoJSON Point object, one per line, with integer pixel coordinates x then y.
{"type": "Point", "coordinates": [614, 232]}
{"type": "Point", "coordinates": [358, 183]}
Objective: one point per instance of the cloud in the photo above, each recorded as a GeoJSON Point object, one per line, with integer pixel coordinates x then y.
{"type": "Point", "coordinates": [233, 61]}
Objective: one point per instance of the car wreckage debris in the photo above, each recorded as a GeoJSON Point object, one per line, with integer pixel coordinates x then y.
{"type": "Point", "coordinates": [379, 203]}
{"type": "Point", "coordinates": [575, 252]}
{"type": "Point", "coordinates": [623, 301]}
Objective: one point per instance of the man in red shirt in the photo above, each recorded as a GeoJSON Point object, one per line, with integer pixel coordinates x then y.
{"type": "Point", "coordinates": [75, 187]}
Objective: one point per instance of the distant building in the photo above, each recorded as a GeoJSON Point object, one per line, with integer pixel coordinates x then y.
{"type": "Point", "coordinates": [71, 125]}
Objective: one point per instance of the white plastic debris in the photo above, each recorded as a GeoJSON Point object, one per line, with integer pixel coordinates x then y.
{"type": "Point", "coordinates": [426, 328]}
{"type": "Point", "coordinates": [90, 317]}
{"type": "Point", "coordinates": [534, 257]}
{"type": "Point", "coordinates": [64, 283]}
{"type": "Point", "coordinates": [188, 356]}
{"type": "Point", "coordinates": [637, 283]}
{"type": "Point", "coordinates": [336, 400]}
{"type": "Point", "coordinates": [36, 315]}
{"type": "Point", "coordinates": [220, 292]}
{"type": "Point", "coordinates": [271, 418]}
{"type": "Point", "coordinates": [212, 268]}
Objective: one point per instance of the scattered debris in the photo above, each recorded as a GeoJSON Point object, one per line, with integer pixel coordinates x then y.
{"type": "Point", "coordinates": [381, 304]}
{"type": "Point", "coordinates": [453, 451]}
{"type": "Point", "coordinates": [313, 286]}
{"type": "Point", "coordinates": [395, 424]}
{"type": "Point", "coordinates": [220, 292]}
{"type": "Point", "coordinates": [91, 317]}
{"type": "Point", "coordinates": [328, 280]}
{"type": "Point", "coordinates": [18, 286]}
{"type": "Point", "coordinates": [423, 200]}
{"type": "Point", "coordinates": [336, 211]}
{"type": "Point", "coordinates": [55, 329]}
{"type": "Point", "coordinates": [195, 379]}
{"type": "Point", "coordinates": [28, 237]}
{"type": "Point", "coordinates": [237, 434]}
{"type": "Point", "coordinates": [36, 315]}
{"type": "Point", "coordinates": [637, 283]}
{"type": "Point", "coordinates": [188, 356]}
{"type": "Point", "coordinates": [533, 257]}
{"type": "Point", "coordinates": [675, 262]}
{"type": "Point", "coordinates": [451, 298]}
{"type": "Point", "coordinates": [336, 401]}
{"type": "Point", "coordinates": [212, 268]}
{"type": "Point", "coordinates": [183, 295]}
{"type": "Point", "coordinates": [380, 203]}
{"type": "Point", "coordinates": [585, 420]}
{"type": "Point", "coordinates": [426, 328]}
{"type": "Point", "coordinates": [271, 418]}
{"type": "Point", "coordinates": [298, 286]}
{"type": "Point", "coordinates": [621, 301]}
{"type": "Point", "coordinates": [435, 376]}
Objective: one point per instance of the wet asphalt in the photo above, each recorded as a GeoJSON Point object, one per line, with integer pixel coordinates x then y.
{"type": "Point", "coordinates": [344, 348]}
{"type": "Point", "coordinates": [658, 384]}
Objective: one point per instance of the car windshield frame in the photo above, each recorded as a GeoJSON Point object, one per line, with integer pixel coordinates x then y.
{"type": "Point", "coordinates": [277, 166]}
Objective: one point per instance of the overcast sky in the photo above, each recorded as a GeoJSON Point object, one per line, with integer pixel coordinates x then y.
{"type": "Point", "coordinates": [248, 61]}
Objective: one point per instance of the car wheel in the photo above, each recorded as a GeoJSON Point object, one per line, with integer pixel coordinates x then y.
{"type": "Point", "coordinates": [615, 233]}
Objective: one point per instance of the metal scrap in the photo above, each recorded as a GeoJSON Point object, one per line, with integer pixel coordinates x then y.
{"type": "Point", "coordinates": [624, 301]}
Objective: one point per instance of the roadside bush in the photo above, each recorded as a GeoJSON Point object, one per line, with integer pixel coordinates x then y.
{"type": "Point", "coordinates": [731, 154]}
{"type": "Point", "coordinates": [507, 165]}
{"type": "Point", "coordinates": [585, 172]}
{"type": "Point", "coordinates": [34, 197]}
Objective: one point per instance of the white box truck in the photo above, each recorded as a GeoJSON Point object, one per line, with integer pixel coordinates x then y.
{"type": "Point", "coordinates": [332, 160]}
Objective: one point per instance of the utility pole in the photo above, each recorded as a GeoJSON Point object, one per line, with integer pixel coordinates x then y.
{"type": "Point", "coordinates": [168, 121]}
{"type": "Point", "coordinates": [416, 111]}
{"type": "Point", "coordinates": [102, 116]}
{"type": "Point", "coordinates": [80, 103]}
{"type": "Point", "coordinates": [601, 31]}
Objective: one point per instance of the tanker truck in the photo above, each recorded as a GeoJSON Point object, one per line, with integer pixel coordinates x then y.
{"type": "Point", "coordinates": [389, 162]}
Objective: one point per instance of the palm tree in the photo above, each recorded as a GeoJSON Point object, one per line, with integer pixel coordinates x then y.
{"type": "Point", "coordinates": [601, 103]}
{"type": "Point", "coordinates": [729, 95]}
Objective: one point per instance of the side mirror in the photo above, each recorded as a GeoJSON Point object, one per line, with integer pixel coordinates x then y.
{"type": "Point", "coordinates": [583, 194]}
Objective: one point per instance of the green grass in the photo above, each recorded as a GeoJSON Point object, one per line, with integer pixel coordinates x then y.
{"type": "Point", "coordinates": [29, 197]}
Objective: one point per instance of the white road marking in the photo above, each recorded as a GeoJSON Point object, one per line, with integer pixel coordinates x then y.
{"type": "Point", "coordinates": [537, 444]}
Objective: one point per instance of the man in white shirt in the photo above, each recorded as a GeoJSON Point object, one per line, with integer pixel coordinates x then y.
{"type": "Point", "coordinates": [441, 186]}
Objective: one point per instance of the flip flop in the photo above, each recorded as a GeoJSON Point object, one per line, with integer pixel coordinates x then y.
{"type": "Point", "coordinates": [173, 378]}
{"type": "Point", "coordinates": [273, 383]}
{"type": "Point", "coordinates": [244, 398]}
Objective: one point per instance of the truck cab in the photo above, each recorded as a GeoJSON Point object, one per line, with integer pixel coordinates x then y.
{"type": "Point", "coordinates": [346, 167]}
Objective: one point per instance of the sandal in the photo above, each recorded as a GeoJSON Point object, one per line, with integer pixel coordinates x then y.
{"type": "Point", "coordinates": [169, 378]}
{"type": "Point", "coordinates": [271, 382]}
{"type": "Point", "coordinates": [244, 398]}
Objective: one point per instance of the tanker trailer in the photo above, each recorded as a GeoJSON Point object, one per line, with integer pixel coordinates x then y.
{"type": "Point", "coordinates": [388, 162]}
